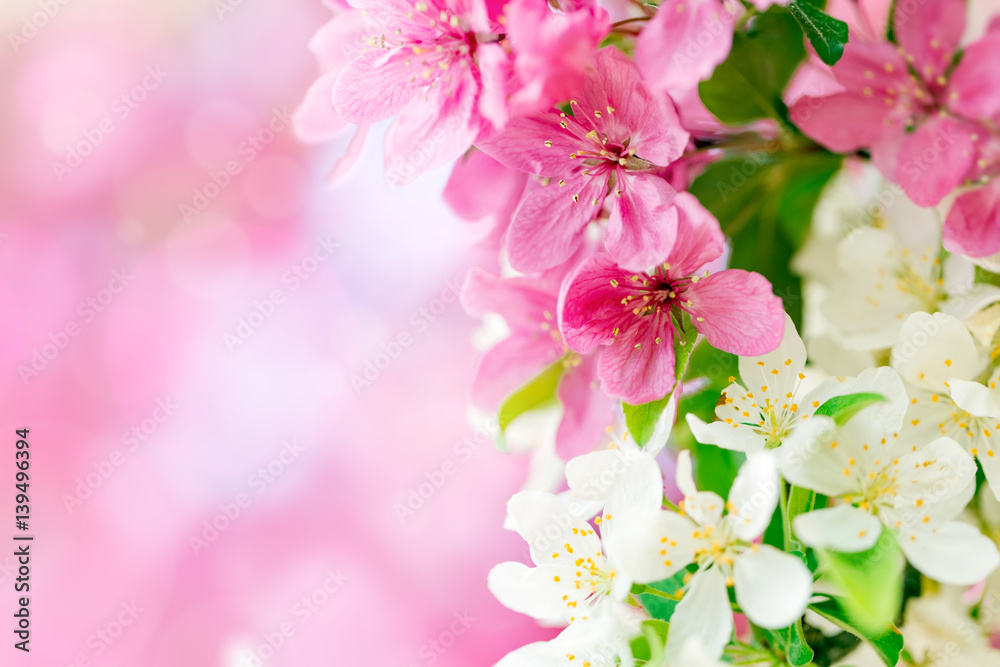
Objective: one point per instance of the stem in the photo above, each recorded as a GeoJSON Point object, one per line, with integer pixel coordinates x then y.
{"type": "Point", "coordinates": [639, 589]}
{"type": "Point", "coordinates": [786, 525]}
{"type": "Point", "coordinates": [666, 501]}
{"type": "Point", "coordinates": [617, 24]}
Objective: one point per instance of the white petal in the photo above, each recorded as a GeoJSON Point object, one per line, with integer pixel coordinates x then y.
{"type": "Point", "coordinates": [935, 483]}
{"type": "Point", "coordinates": [956, 553]}
{"type": "Point", "coordinates": [685, 475]}
{"type": "Point", "coordinates": [529, 590]}
{"type": "Point", "coordinates": [974, 398]}
{"type": "Point", "coordinates": [704, 614]}
{"type": "Point", "coordinates": [547, 524]}
{"type": "Point", "coordinates": [883, 380]}
{"type": "Point", "coordinates": [843, 528]}
{"type": "Point", "coordinates": [933, 349]}
{"type": "Point", "coordinates": [735, 436]}
{"type": "Point", "coordinates": [705, 508]}
{"type": "Point", "coordinates": [772, 587]}
{"type": "Point", "coordinates": [694, 655]}
{"type": "Point", "coordinates": [774, 375]}
{"type": "Point", "coordinates": [806, 458]}
{"type": "Point", "coordinates": [754, 496]}
{"type": "Point", "coordinates": [647, 549]}
{"type": "Point", "coordinates": [991, 468]}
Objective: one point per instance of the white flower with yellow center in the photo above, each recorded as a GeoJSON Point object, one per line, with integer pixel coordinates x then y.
{"type": "Point", "coordinates": [874, 478]}
{"type": "Point", "coordinates": [756, 415]}
{"type": "Point", "coordinates": [886, 274]}
{"type": "Point", "coordinates": [771, 587]}
{"type": "Point", "coordinates": [574, 577]}
{"type": "Point", "coordinates": [940, 362]}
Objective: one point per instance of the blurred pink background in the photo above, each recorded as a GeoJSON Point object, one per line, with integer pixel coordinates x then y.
{"type": "Point", "coordinates": [208, 486]}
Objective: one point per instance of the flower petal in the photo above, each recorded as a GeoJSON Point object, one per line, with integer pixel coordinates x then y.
{"type": "Point", "coordinates": [702, 614]}
{"type": "Point", "coordinates": [933, 349]}
{"type": "Point", "coordinates": [642, 227]}
{"type": "Point", "coordinates": [956, 553]}
{"type": "Point", "coordinates": [935, 159]}
{"type": "Point", "coordinates": [548, 226]}
{"type": "Point", "coordinates": [842, 528]}
{"type": "Point", "coordinates": [754, 496]}
{"type": "Point", "coordinates": [930, 32]}
{"type": "Point", "coordinates": [973, 224]}
{"type": "Point", "coordinates": [772, 587]}
{"type": "Point", "coordinates": [737, 312]}
{"type": "Point", "coordinates": [374, 86]}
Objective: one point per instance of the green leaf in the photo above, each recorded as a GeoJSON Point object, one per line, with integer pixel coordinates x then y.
{"type": "Point", "coordinates": [885, 639]}
{"type": "Point", "coordinates": [871, 581]}
{"type": "Point", "coordinates": [748, 85]}
{"type": "Point", "coordinates": [800, 501]}
{"type": "Point", "coordinates": [715, 468]}
{"type": "Point", "coordinates": [662, 608]}
{"type": "Point", "coordinates": [842, 408]}
{"type": "Point", "coordinates": [791, 643]}
{"type": "Point", "coordinates": [826, 34]}
{"type": "Point", "coordinates": [540, 391]}
{"type": "Point", "coordinates": [641, 419]}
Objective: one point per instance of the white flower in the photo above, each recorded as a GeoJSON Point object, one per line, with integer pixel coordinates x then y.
{"type": "Point", "coordinates": [938, 358]}
{"type": "Point", "coordinates": [888, 273]}
{"type": "Point", "coordinates": [624, 478]}
{"type": "Point", "coordinates": [772, 587]}
{"type": "Point", "coordinates": [574, 577]}
{"type": "Point", "coordinates": [876, 478]}
{"type": "Point", "coordinates": [774, 403]}
{"type": "Point", "coordinates": [756, 417]}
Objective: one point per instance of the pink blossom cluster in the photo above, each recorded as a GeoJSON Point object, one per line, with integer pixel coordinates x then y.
{"type": "Point", "coordinates": [927, 109]}
{"type": "Point", "coordinates": [580, 154]}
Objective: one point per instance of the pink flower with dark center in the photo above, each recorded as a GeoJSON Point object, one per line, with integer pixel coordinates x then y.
{"type": "Point", "coordinates": [529, 307]}
{"type": "Point", "coordinates": [616, 136]}
{"type": "Point", "coordinates": [926, 123]}
{"type": "Point", "coordinates": [630, 315]}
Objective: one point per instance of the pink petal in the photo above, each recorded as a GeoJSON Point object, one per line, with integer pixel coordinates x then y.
{"type": "Point", "coordinates": [345, 164]}
{"type": "Point", "coordinates": [316, 120]}
{"type": "Point", "coordinates": [523, 302]}
{"type": "Point", "coordinates": [930, 32]}
{"type": "Point", "coordinates": [737, 312]}
{"type": "Point", "coordinates": [636, 368]}
{"type": "Point", "coordinates": [431, 131]}
{"type": "Point", "coordinates": [341, 40]}
{"type": "Point", "coordinates": [587, 411]}
{"type": "Point", "coordinates": [843, 122]}
{"type": "Point", "coordinates": [589, 304]}
{"type": "Point", "coordinates": [934, 159]}
{"type": "Point", "coordinates": [643, 224]}
{"type": "Point", "coordinates": [973, 88]}
{"type": "Point", "coordinates": [553, 50]}
{"type": "Point", "coordinates": [496, 70]}
{"type": "Point", "coordinates": [683, 43]}
{"type": "Point", "coordinates": [465, 194]}
{"type": "Point", "coordinates": [509, 365]}
{"type": "Point", "coordinates": [376, 85]}
{"type": "Point", "coordinates": [548, 226]}
{"type": "Point", "coordinates": [617, 103]}
{"type": "Point", "coordinates": [973, 224]}
{"type": "Point", "coordinates": [699, 237]}
{"type": "Point", "coordinates": [522, 145]}
{"type": "Point", "coordinates": [878, 65]}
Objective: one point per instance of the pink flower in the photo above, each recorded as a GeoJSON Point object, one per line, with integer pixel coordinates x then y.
{"type": "Point", "coordinates": [617, 135]}
{"type": "Point", "coordinates": [973, 224]}
{"type": "Point", "coordinates": [631, 314]}
{"type": "Point", "coordinates": [421, 66]}
{"type": "Point", "coordinates": [529, 307]}
{"type": "Point", "coordinates": [925, 132]}
{"type": "Point", "coordinates": [683, 43]}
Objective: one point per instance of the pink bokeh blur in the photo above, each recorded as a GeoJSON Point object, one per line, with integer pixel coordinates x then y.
{"type": "Point", "coordinates": [208, 485]}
